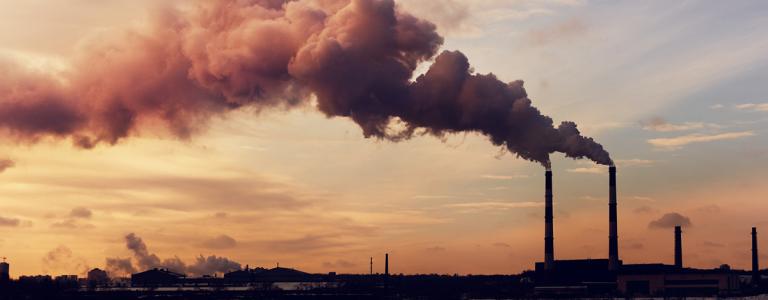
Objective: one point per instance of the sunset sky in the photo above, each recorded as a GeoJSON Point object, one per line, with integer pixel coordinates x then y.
{"type": "Point", "coordinates": [675, 91]}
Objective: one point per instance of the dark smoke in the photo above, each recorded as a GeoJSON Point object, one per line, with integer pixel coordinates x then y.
{"type": "Point", "coordinates": [145, 260]}
{"type": "Point", "coordinates": [356, 57]}
{"type": "Point", "coordinates": [120, 266]}
{"type": "Point", "coordinates": [6, 164]}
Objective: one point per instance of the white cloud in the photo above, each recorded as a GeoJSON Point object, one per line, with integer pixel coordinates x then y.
{"type": "Point", "coordinates": [634, 162]}
{"type": "Point", "coordinates": [674, 143]}
{"type": "Point", "coordinates": [753, 107]}
{"type": "Point", "coordinates": [470, 18]}
{"type": "Point", "coordinates": [661, 125]}
{"type": "Point", "coordinates": [596, 169]}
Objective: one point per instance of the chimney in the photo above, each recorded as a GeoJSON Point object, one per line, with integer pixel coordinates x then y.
{"type": "Point", "coordinates": [755, 265]}
{"type": "Point", "coordinates": [386, 264]}
{"type": "Point", "coordinates": [678, 247]}
{"type": "Point", "coordinates": [613, 237]}
{"type": "Point", "coordinates": [549, 247]}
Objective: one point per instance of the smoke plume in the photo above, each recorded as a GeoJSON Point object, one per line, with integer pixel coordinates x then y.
{"type": "Point", "coordinates": [356, 58]}
{"type": "Point", "coordinates": [145, 260]}
{"type": "Point", "coordinates": [6, 164]}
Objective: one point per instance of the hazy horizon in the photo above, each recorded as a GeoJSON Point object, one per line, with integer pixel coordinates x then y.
{"type": "Point", "coordinates": [674, 91]}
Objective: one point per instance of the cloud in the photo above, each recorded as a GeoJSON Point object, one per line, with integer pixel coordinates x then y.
{"type": "Point", "coordinates": [596, 169]}
{"type": "Point", "coordinates": [220, 242]}
{"type": "Point", "coordinates": [680, 141]}
{"type": "Point", "coordinates": [504, 177]}
{"type": "Point", "coordinates": [670, 220]}
{"type": "Point", "coordinates": [559, 31]}
{"type": "Point", "coordinates": [502, 245]}
{"type": "Point", "coordinates": [339, 264]}
{"type": "Point", "coordinates": [659, 124]}
{"type": "Point", "coordinates": [307, 243]}
{"type": "Point", "coordinates": [435, 249]}
{"type": "Point", "coordinates": [593, 168]}
{"type": "Point", "coordinates": [471, 18]}
{"type": "Point", "coordinates": [716, 106]}
{"type": "Point", "coordinates": [635, 162]}
{"type": "Point", "coordinates": [645, 209]}
{"type": "Point", "coordinates": [714, 208]}
{"type": "Point", "coordinates": [244, 190]}
{"type": "Point", "coordinates": [492, 206]}
{"type": "Point", "coordinates": [71, 224]}
{"type": "Point", "coordinates": [427, 197]}
{"type": "Point", "coordinates": [6, 164]}
{"type": "Point", "coordinates": [762, 107]}
{"type": "Point", "coordinates": [81, 212]}
{"type": "Point", "coordinates": [9, 222]}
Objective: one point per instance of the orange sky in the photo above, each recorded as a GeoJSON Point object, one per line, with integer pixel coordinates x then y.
{"type": "Point", "coordinates": [310, 192]}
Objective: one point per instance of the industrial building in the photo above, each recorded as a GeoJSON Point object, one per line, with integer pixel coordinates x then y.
{"type": "Point", "coordinates": [5, 271]}
{"type": "Point", "coordinates": [610, 277]}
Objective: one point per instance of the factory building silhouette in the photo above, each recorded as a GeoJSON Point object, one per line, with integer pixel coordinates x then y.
{"type": "Point", "coordinates": [584, 277]}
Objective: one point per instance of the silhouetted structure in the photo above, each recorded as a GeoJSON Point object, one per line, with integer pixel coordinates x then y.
{"type": "Point", "coordinates": [246, 275]}
{"type": "Point", "coordinates": [386, 264]}
{"type": "Point", "coordinates": [549, 239]}
{"type": "Point", "coordinates": [5, 271]}
{"type": "Point", "coordinates": [654, 280]}
{"type": "Point", "coordinates": [97, 277]}
{"type": "Point", "coordinates": [755, 258]}
{"type": "Point", "coordinates": [678, 247]}
{"type": "Point", "coordinates": [156, 277]}
{"type": "Point", "coordinates": [613, 236]}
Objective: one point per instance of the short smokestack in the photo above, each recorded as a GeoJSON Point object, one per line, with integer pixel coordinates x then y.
{"type": "Point", "coordinates": [549, 243]}
{"type": "Point", "coordinates": [755, 264]}
{"type": "Point", "coordinates": [678, 247]}
{"type": "Point", "coordinates": [386, 264]}
{"type": "Point", "coordinates": [613, 236]}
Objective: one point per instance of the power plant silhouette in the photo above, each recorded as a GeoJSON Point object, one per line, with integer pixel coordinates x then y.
{"type": "Point", "coordinates": [551, 278]}
{"type": "Point", "coordinates": [606, 277]}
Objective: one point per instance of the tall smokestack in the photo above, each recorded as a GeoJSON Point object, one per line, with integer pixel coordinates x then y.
{"type": "Point", "coordinates": [755, 265]}
{"type": "Point", "coordinates": [678, 247]}
{"type": "Point", "coordinates": [386, 264]}
{"type": "Point", "coordinates": [613, 237]}
{"type": "Point", "coordinates": [549, 247]}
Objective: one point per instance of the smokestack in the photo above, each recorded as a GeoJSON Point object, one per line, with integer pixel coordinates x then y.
{"type": "Point", "coordinates": [678, 247]}
{"type": "Point", "coordinates": [549, 247]}
{"type": "Point", "coordinates": [755, 265]}
{"type": "Point", "coordinates": [386, 264]}
{"type": "Point", "coordinates": [613, 237]}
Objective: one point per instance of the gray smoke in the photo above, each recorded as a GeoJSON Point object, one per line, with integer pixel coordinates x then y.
{"type": "Point", "coordinates": [203, 265]}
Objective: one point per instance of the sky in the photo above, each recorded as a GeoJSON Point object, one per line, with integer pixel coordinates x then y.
{"type": "Point", "coordinates": [674, 91]}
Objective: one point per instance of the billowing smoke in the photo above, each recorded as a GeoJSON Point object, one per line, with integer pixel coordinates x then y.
{"type": "Point", "coordinates": [61, 260]}
{"type": "Point", "coordinates": [145, 260]}
{"type": "Point", "coordinates": [119, 266]}
{"type": "Point", "coordinates": [6, 164]}
{"type": "Point", "coordinates": [355, 58]}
